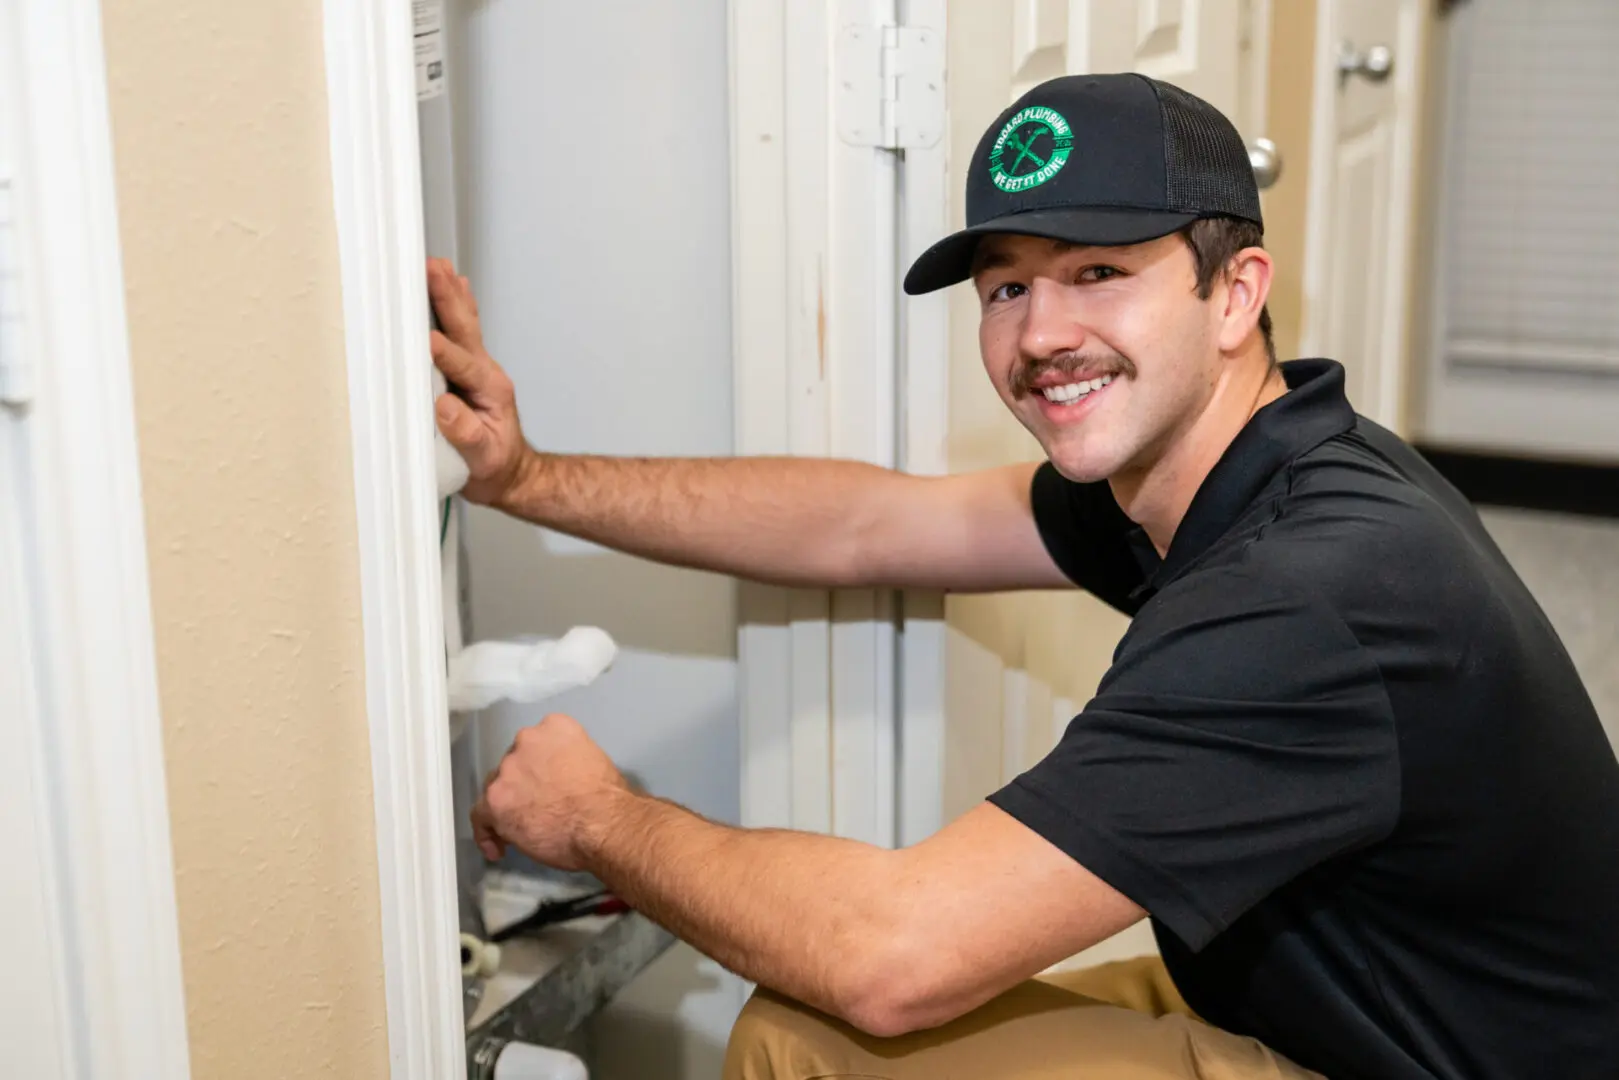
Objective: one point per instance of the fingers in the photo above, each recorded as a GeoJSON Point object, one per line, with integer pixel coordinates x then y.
{"type": "Point", "coordinates": [453, 303]}
{"type": "Point", "coordinates": [484, 833]}
{"type": "Point", "coordinates": [464, 368]}
{"type": "Point", "coordinates": [460, 424]}
{"type": "Point", "coordinates": [474, 374]}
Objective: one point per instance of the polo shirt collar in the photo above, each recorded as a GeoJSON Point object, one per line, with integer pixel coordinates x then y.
{"type": "Point", "coordinates": [1313, 410]}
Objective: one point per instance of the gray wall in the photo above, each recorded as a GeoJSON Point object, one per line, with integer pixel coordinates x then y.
{"type": "Point", "coordinates": [593, 175]}
{"type": "Point", "coordinates": [1571, 564]}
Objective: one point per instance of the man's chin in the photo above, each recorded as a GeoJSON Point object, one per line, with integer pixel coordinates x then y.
{"type": "Point", "coordinates": [1083, 455]}
{"type": "Point", "coordinates": [1080, 468]}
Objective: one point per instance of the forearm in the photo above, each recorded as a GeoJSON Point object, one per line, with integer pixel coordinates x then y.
{"type": "Point", "coordinates": [786, 521]}
{"type": "Point", "coordinates": [809, 916]}
{"type": "Point", "coordinates": [891, 941]}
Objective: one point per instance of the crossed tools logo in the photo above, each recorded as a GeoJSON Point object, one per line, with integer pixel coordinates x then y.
{"type": "Point", "coordinates": [1031, 149]}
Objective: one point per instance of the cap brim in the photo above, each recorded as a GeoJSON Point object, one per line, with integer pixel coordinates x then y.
{"type": "Point", "coordinates": [951, 259]}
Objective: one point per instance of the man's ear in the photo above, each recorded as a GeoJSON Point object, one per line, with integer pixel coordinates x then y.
{"type": "Point", "coordinates": [1247, 281]}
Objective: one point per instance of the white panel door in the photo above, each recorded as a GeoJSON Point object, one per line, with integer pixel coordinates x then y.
{"type": "Point", "coordinates": [1191, 43]}
{"type": "Point", "coordinates": [1195, 44]}
{"type": "Point", "coordinates": [1356, 275]}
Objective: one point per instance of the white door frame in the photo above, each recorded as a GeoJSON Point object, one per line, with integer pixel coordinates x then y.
{"type": "Point", "coordinates": [924, 405]}
{"type": "Point", "coordinates": [800, 306]}
{"type": "Point", "coordinates": [376, 187]}
{"type": "Point", "coordinates": [841, 691]}
{"type": "Point", "coordinates": [88, 926]}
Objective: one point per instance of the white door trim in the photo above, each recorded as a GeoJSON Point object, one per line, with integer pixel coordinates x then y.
{"type": "Point", "coordinates": [376, 186]}
{"type": "Point", "coordinates": [1317, 213]}
{"type": "Point", "coordinates": [815, 268]}
{"type": "Point", "coordinates": [924, 334]}
{"type": "Point", "coordinates": [1394, 382]}
{"type": "Point", "coordinates": [783, 649]}
{"type": "Point", "coordinates": [85, 836]}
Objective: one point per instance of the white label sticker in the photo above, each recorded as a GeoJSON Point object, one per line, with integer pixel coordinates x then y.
{"type": "Point", "coordinates": [429, 31]}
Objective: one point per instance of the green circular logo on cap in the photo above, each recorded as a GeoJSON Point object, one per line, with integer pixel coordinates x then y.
{"type": "Point", "coordinates": [1031, 149]}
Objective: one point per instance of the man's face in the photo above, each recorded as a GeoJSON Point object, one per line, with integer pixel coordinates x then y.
{"type": "Point", "coordinates": [1106, 354]}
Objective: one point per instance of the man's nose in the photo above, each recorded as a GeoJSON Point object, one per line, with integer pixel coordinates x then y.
{"type": "Point", "coordinates": [1051, 324]}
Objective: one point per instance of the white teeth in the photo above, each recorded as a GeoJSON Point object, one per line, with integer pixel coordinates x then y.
{"type": "Point", "coordinates": [1072, 392]}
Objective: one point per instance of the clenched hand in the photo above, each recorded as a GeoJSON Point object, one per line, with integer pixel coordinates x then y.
{"type": "Point", "coordinates": [553, 790]}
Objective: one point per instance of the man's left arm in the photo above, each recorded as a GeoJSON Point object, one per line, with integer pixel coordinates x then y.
{"type": "Point", "coordinates": [891, 941]}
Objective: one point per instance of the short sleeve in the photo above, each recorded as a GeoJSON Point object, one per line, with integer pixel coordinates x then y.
{"type": "Point", "coordinates": [1087, 536]}
{"type": "Point", "coordinates": [1241, 737]}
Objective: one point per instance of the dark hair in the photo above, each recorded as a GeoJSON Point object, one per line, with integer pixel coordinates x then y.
{"type": "Point", "coordinates": [1215, 241]}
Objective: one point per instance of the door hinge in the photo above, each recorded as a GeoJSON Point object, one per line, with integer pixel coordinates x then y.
{"type": "Point", "coordinates": [16, 369]}
{"type": "Point", "coordinates": [889, 86]}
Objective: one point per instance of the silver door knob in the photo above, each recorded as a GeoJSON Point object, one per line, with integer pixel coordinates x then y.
{"type": "Point", "coordinates": [1266, 161]}
{"type": "Point", "coordinates": [1373, 64]}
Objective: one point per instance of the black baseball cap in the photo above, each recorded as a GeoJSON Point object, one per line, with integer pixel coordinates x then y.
{"type": "Point", "coordinates": [1096, 159]}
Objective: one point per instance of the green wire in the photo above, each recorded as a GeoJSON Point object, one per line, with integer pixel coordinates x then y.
{"type": "Point", "coordinates": [443, 531]}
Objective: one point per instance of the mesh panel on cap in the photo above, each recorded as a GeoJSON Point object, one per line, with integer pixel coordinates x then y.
{"type": "Point", "coordinates": [1206, 166]}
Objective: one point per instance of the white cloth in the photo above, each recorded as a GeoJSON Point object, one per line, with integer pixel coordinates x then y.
{"type": "Point", "coordinates": [452, 470]}
{"type": "Point", "coordinates": [527, 671]}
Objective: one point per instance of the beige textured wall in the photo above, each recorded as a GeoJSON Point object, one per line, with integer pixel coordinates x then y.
{"type": "Point", "coordinates": [230, 262]}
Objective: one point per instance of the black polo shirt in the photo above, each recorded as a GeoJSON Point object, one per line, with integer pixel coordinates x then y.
{"type": "Point", "coordinates": [1343, 760]}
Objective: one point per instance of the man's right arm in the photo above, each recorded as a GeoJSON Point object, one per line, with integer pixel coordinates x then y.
{"type": "Point", "coordinates": [796, 521]}
{"type": "Point", "coordinates": [792, 521]}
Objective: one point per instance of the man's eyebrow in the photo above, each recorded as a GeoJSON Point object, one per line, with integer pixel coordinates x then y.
{"type": "Point", "coordinates": [995, 260]}
{"type": "Point", "coordinates": [992, 261]}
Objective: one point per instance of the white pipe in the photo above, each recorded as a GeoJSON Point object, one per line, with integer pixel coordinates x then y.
{"type": "Point", "coordinates": [521, 1061]}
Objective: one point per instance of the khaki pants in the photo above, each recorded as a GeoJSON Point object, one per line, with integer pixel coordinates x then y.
{"type": "Point", "coordinates": [1123, 1020]}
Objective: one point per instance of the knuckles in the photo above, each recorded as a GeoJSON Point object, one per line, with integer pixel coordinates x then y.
{"type": "Point", "coordinates": [502, 796]}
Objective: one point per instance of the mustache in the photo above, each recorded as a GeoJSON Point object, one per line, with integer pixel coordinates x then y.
{"type": "Point", "coordinates": [1068, 364]}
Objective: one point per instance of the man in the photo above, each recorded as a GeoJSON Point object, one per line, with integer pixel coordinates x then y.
{"type": "Point", "coordinates": [1340, 759]}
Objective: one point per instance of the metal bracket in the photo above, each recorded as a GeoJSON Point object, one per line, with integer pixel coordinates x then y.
{"type": "Point", "coordinates": [889, 86]}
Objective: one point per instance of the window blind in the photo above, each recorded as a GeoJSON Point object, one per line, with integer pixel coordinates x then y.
{"type": "Point", "coordinates": [1531, 272]}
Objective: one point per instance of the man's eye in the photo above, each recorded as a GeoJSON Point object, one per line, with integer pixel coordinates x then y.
{"type": "Point", "coordinates": [1099, 273]}
{"type": "Point", "coordinates": [1009, 291]}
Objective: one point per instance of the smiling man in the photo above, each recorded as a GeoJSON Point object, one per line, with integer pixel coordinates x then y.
{"type": "Point", "coordinates": [1340, 760]}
